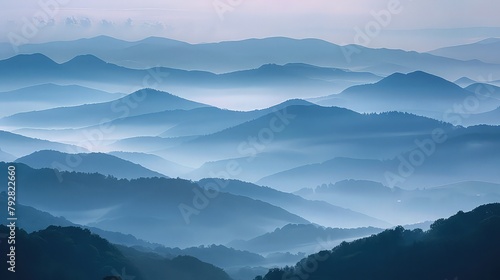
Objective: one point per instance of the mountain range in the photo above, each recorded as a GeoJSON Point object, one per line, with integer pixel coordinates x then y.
{"type": "Point", "coordinates": [15, 145]}
{"type": "Point", "coordinates": [88, 163]}
{"type": "Point", "coordinates": [482, 50]}
{"type": "Point", "coordinates": [417, 92]}
{"type": "Point", "coordinates": [301, 237]}
{"type": "Point", "coordinates": [315, 134]}
{"type": "Point", "coordinates": [316, 211]}
{"type": "Point", "coordinates": [224, 160]}
{"type": "Point", "coordinates": [137, 103]}
{"type": "Point", "coordinates": [290, 80]}
{"type": "Point", "coordinates": [400, 253]}
{"type": "Point", "coordinates": [174, 122]}
{"type": "Point", "coordinates": [264, 143]}
{"type": "Point", "coordinates": [63, 252]}
{"type": "Point", "coordinates": [36, 220]}
{"type": "Point", "coordinates": [178, 212]}
{"type": "Point", "coordinates": [478, 144]}
{"type": "Point", "coordinates": [252, 53]}
{"type": "Point", "coordinates": [47, 96]}
{"type": "Point", "coordinates": [400, 206]}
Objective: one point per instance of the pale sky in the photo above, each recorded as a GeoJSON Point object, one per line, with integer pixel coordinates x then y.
{"type": "Point", "coordinates": [416, 25]}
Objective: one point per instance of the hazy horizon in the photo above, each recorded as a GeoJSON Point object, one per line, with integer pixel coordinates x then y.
{"type": "Point", "coordinates": [394, 24]}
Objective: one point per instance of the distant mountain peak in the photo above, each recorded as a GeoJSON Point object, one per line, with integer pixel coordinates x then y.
{"type": "Point", "coordinates": [297, 101]}
{"type": "Point", "coordinates": [420, 75]}
{"type": "Point", "coordinates": [102, 38]}
{"type": "Point", "coordinates": [89, 163]}
{"type": "Point", "coordinates": [161, 40]}
{"type": "Point", "coordinates": [156, 93]}
{"type": "Point", "coordinates": [292, 102]}
{"type": "Point", "coordinates": [270, 66]}
{"type": "Point", "coordinates": [416, 79]}
{"type": "Point", "coordinates": [158, 97]}
{"type": "Point", "coordinates": [86, 59]}
{"type": "Point", "coordinates": [465, 79]}
{"type": "Point", "coordinates": [35, 58]}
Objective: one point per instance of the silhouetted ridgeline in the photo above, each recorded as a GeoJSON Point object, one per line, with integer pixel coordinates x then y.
{"type": "Point", "coordinates": [105, 164]}
{"type": "Point", "coordinates": [227, 56]}
{"type": "Point", "coordinates": [130, 206]}
{"type": "Point", "coordinates": [464, 246]}
{"type": "Point", "coordinates": [75, 253]}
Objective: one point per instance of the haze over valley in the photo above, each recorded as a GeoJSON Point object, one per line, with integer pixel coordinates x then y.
{"type": "Point", "coordinates": [250, 157]}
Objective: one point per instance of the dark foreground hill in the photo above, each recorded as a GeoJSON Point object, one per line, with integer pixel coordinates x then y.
{"type": "Point", "coordinates": [75, 253]}
{"type": "Point", "coordinates": [464, 246]}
